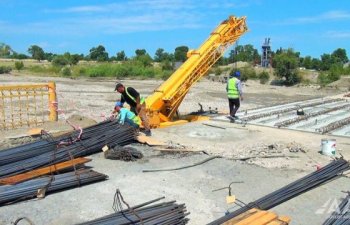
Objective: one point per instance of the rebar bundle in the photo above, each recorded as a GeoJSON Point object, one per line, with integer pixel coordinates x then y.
{"type": "Point", "coordinates": [314, 114]}
{"type": "Point", "coordinates": [333, 126]}
{"type": "Point", "coordinates": [46, 144]}
{"type": "Point", "coordinates": [313, 180]}
{"type": "Point", "coordinates": [167, 213]}
{"type": "Point", "coordinates": [277, 112]}
{"type": "Point", "coordinates": [91, 141]}
{"type": "Point", "coordinates": [31, 188]}
{"type": "Point", "coordinates": [341, 216]}
{"type": "Point", "coordinates": [25, 151]}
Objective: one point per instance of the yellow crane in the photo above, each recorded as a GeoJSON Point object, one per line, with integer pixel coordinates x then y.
{"type": "Point", "coordinates": [166, 99]}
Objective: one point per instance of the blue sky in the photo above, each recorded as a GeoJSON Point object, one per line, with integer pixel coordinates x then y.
{"type": "Point", "coordinates": [312, 27]}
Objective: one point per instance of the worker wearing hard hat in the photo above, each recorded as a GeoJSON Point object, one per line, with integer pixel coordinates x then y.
{"type": "Point", "coordinates": [126, 116]}
{"type": "Point", "coordinates": [234, 94]}
{"type": "Point", "coordinates": [136, 102]}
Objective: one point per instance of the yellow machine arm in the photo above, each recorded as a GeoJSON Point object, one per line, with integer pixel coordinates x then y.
{"type": "Point", "coordinates": [166, 99]}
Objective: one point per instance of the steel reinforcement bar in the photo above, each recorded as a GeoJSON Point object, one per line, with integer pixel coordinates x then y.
{"type": "Point", "coordinates": [310, 115]}
{"type": "Point", "coordinates": [109, 133]}
{"type": "Point", "coordinates": [31, 188]}
{"type": "Point", "coordinates": [333, 126]}
{"type": "Point", "coordinates": [277, 112]}
{"type": "Point", "coordinates": [327, 173]}
{"type": "Point", "coordinates": [168, 213]}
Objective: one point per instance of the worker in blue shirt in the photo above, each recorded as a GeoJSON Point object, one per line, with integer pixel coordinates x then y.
{"type": "Point", "coordinates": [126, 116]}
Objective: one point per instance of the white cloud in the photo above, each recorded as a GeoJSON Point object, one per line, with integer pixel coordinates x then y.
{"type": "Point", "coordinates": [337, 34]}
{"type": "Point", "coordinates": [124, 17]}
{"type": "Point", "coordinates": [335, 15]}
{"type": "Point", "coordinates": [331, 15]}
{"type": "Point", "coordinates": [152, 5]}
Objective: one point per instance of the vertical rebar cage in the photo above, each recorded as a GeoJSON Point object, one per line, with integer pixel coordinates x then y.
{"type": "Point", "coordinates": [27, 105]}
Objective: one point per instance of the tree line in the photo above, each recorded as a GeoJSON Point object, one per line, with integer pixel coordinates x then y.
{"type": "Point", "coordinates": [286, 62]}
{"type": "Point", "coordinates": [97, 53]}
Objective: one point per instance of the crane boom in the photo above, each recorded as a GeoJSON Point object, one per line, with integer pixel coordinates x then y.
{"type": "Point", "coordinates": [166, 99]}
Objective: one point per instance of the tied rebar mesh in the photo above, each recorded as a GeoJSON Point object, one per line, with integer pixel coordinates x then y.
{"type": "Point", "coordinates": [24, 105]}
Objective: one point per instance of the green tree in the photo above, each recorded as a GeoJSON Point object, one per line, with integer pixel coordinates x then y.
{"type": "Point", "coordinates": [60, 60]}
{"type": "Point", "coordinates": [140, 52]}
{"type": "Point", "coordinates": [36, 52]}
{"type": "Point", "coordinates": [286, 66]}
{"type": "Point", "coordinates": [121, 56]}
{"type": "Point", "coordinates": [264, 77]}
{"type": "Point", "coordinates": [143, 57]}
{"type": "Point", "coordinates": [181, 53]}
{"type": "Point", "coordinates": [335, 72]}
{"type": "Point", "coordinates": [316, 64]}
{"type": "Point", "coordinates": [75, 58]}
{"type": "Point", "coordinates": [167, 65]}
{"type": "Point", "coordinates": [49, 56]}
{"type": "Point", "coordinates": [98, 53]}
{"type": "Point", "coordinates": [19, 65]}
{"type": "Point", "coordinates": [5, 50]}
{"type": "Point", "coordinates": [160, 55]}
{"type": "Point", "coordinates": [146, 60]}
{"type": "Point", "coordinates": [326, 62]}
{"type": "Point", "coordinates": [16, 55]}
{"type": "Point", "coordinates": [245, 53]}
{"type": "Point", "coordinates": [66, 71]}
{"type": "Point", "coordinates": [339, 55]}
{"type": "Point", "coordinates": [307, 62]}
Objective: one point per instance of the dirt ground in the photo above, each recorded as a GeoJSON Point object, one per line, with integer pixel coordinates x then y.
{"type": "Point", "coordinates": [85, 101]}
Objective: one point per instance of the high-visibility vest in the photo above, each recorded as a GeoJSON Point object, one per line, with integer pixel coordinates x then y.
{"type": "Point", "coordinates": [136, 120]}
{"type": "Point", "coordinates": [232, 91]}
{"type": "Point", "coordinates": [142, 99]}
{"type": "Point", "coordinates": [130, 115]}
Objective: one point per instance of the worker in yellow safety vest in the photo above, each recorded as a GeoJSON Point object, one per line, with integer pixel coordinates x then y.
{"type": "Point", "coordinates": [136, 102]}
{"type": "Point", "coordinates": [125, 116]}
{"type": "Point", "coordinates": [234, 94]}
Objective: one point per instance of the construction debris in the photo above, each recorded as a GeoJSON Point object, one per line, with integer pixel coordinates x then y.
{"type": "Point", "coordinates": [123, 153]}
{"type": "Point", "coordinates": [149, 141]}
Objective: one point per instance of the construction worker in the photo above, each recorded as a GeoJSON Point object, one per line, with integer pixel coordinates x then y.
{"type": "Point", "coordinates": [126, 116]}
{"type": "Point", "coordinates": [234, 94]}
{"type": "Point", "coordinates": [136, 102]}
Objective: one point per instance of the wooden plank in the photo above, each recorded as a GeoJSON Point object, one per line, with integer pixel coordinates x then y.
{"type": "Point", "coordinates": [258, 217]}
{"type": "Point", "coordinates": [43, 171]}
{"type": "Point", "coordinates": [34, 131]}
{"type": "Point", "coordinates": [150, 141]}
